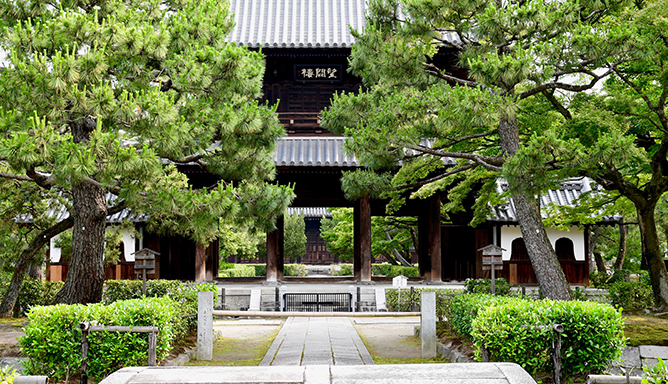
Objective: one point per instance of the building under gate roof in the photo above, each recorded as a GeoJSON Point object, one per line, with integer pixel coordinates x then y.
{"type": "Point", "coordinates": [307, 44]}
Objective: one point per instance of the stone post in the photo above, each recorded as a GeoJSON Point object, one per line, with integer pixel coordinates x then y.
{"type": "Point", "coordinates": [428, 324]}
{"type": "Point", "coordinates": [204, 326]}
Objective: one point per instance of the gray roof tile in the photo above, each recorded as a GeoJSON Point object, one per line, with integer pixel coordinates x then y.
{"type": "Point", "coordinates": [313, 151]}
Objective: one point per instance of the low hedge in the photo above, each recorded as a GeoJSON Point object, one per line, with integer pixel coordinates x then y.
{"type": "Point", "coordinates": [239, 270]}
{"type": "Point", "coordinates": [381, 269]}
{"type": "Point", "coordinates": [294, 270]}
{"type": "Point", "coordinates": [463, 309]}
{"type": "Point", "coordinates": [519, 331]}
{"type": "Point", "coordinates": [52, 340]}
{"type": "Point", "coordinates": [630, 295]}
{"type": "Point", "coordinates": [34, 293]}
{"type": "Point", "coordinates": [410, 298]}
{"type": "Point", "coordinates": [501, 286]}
{"type": "Point", "coordinates": [183, 293]}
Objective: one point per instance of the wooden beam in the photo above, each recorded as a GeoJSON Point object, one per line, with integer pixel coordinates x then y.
{"type": "Point", "coordinates": [357, 258]}
{"type": "Point", "coordinates": [280, 241]}
{"type": "Point", "coordinates": [435, 237]}
{"type": "Point", "coordinates": [200, 262]}
{"type": "Point", "coordinates": [424, 260]}
{"type": "Point", "coordinates": [272, 256]}
{"type": "Point", "coordinates": [365, 238]}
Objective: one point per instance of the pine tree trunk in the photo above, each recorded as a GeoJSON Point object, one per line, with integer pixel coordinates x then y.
{"type": "Point", "coordinates": [621, 255]}
{"type": "Point", "coordinates": [85, 276]}
{"type": "Point", "coordinates": [652, 253]}
{"type": "Point", "coordinates": [550, 276]}
{"type": "Point", "coordinates": [26, 257]}
{"type": "Point", "coordinates": [600, 264]}
{"type": "Point", "coordinates": [593, 240]}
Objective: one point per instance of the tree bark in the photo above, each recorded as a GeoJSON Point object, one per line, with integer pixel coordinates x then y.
{"type": "Point", "coordinates": [652, 253]}
{"type": "Point", "coordinates": [396, 257]}
{"type": "Point", "coordinates": [85, 276]}
{"type": "Point", "coordinates": [621, 255]}
{"type": "Point", "coordinates": [600, 264]}
{"type": "Point", "coordinates": [550, 276]}
{"type": "Point", "coordinates": [593, 240]}
{"type": "Point", "coordinates": [26, 257]}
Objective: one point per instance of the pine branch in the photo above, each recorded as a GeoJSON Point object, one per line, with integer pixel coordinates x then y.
{"type": "Point", "coordinates": [436, 72]}
{"type": "Point", "coordinates": [489, 162]}
{"type": "Point", "coordinates": [560, 108]}
{"type": "Point", "coordinates": [439, 177]}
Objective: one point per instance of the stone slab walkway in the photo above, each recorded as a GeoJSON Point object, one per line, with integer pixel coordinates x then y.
{"type": "Point", "coordinates": [317, 341]}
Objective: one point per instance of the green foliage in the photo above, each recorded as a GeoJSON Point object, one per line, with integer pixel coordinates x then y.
{"type": "Point", "coordinates": [53, 339]}
{"type": "Point", "coordinates": [345, 269]}
{"type": "Point", "coordinates": [385, 269]}
{"type": "Point", "coordinates": [294, 243]}
{"type": "Point", "coordinates": [520, 331]}
{"type": "Point", "coordinates": [183, 293]}
{"type": "Point", "coordinates": [34, 293]}
{"type": "Point", "coordinates": [485, 286]}
{"type": "Point", "coordinates": [630, 295]}
{"type": "Point", "coordinates": [337, 233]}
{"type": "Point", "coordinates": [382, 269]}
{"type": "Point", "coordinates": [412, 299]}
{"type": "Point", "coordinates": [260, 269]}
{"type": "Point", "coordinates": [294, 270]}
{"type": "Point", "coordinates": [7, 374]}
{"type": "Point", "coordinates": [238, 270]}
{"type": "Point", "coordinates": [657, 374]}
{"type": "Point", "coordinates": [463, 310]}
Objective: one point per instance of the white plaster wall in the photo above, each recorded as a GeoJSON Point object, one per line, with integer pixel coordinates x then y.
{"type": "Point", "coordinates": [54, 252]}
{"type": "Point", "coordinates": [510, 233]}
{"type": "Point", "coordinates": [128, 246]}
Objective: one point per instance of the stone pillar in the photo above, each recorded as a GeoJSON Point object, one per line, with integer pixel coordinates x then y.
{"type": "Point", "coordinates": [204, 326]}
{"type": "Point", "coordinates": [200, 263]}
{"type": "Point", "coordinates": [362, 239]}
{"type": "Point", "coordinates": [435, 237]}
{"type": "Point", "coordinates": [428, 337]}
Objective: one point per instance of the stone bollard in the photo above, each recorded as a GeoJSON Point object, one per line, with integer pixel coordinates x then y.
{"type": "Point", "coordinates": [428, 324]}
{"type": "Point", "coordinates": [205, 326]}
{"type": "Point", "coordinates": [282, 291]}
{"type": "Point", "coordinates": [353, 297]}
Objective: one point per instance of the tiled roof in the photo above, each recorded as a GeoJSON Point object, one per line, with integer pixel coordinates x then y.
{"type": "Point", "coordinates": [296, 23]}
{"type": "Point", "coordinates": [313, 151]}
{"type": "Point", "coordinates": [300, 23]}
{"type": "Point", "coordinates": [570, 191]}
{"type": "Point", "coordinates": [310, 212]}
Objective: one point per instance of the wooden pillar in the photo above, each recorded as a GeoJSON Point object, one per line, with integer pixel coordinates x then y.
{"type": "Point", "coordinates": [362, 239]}
{"type": "Point", "coordinates": [280, 240]}
{"type": "Point", "coordinates": [357, 259]}
{"type": "Point", "coordinates": [200, 263]}
{"type": "Point", "coordinates": [275, 252]}
{"type": "Point", "coordinates": [424, 260]}
{"type": "Point", "coordinates": [435, 237]}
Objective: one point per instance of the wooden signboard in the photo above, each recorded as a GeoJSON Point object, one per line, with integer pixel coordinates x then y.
{"type": "Point", "coordinates": [488, 261]}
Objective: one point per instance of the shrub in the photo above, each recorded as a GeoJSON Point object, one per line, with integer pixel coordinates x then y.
{"type": "Point", "coordinates": [33, 293]}
{"type": "Point", "coordinates": [294, 270]}
{"type": "Point", "coordinates": [7, 375]}
{"type": "Point", "coordinates": [239, 270]}
{"type": "Point", "coordinates": [413, 297]}
{"type": "Point", "coordinates": [520, 331]}
{"type": "Point", "coordinates": [463, 309]}
{"type": "Point", "coordinates": [346, 270]}
{"type": "Point", "coordinates": [185, 294]}
{"type": "Point", "coordinates": [605, 279]}
{"type": "Point", "coordinates": [260, 269]}
{"type": "Point", "coordinates": [628, 295]}
{"type": "Point", "coordinates": [657, 374]}
{"type": "Point", "coordinates": [53, 339]}
{"type": "Point", "coordinates": [485, 286]}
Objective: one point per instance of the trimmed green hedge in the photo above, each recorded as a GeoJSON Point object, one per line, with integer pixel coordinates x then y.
{"type": "Point", "coordinates": [501, 286]}
{"type": "Point", "coordinates": [294, 270]}
{"type": "Point", "coordinates": [33, 293]}
{"type": "Point", "coordinates": [53, 339]}
{"type": "Point", "coordinates": [183, 293]}
{"type": "Point", "coordinates": [382, 269]}
{"type": "Point", "coordinates": [239, 270]}
{"type": "Point", "coordinates": [443, 297]}
{"type": "Point", "coordinates": [463, 309]}
{"type": "Point", "coordinates": [520, 331]}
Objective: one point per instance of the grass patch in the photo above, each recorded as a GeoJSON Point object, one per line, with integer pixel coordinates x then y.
{"type": "Point", "coordinates": [14, 321]}
{"type": "Point", "coordinates": [237, 352]}
{"type": "Point", "coordinates": [412, 342]}
{"type": "Point", "coordinates": [646, 330]}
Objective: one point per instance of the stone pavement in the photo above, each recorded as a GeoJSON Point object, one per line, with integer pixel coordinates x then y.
{"type": "Point", "coordinates": [479, 373]}
{"type": "Point", "coordinates": [317, 341]}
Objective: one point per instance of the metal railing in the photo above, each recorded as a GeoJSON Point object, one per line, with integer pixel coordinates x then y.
{"type": "Point", "coordinates": [318, 302]}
